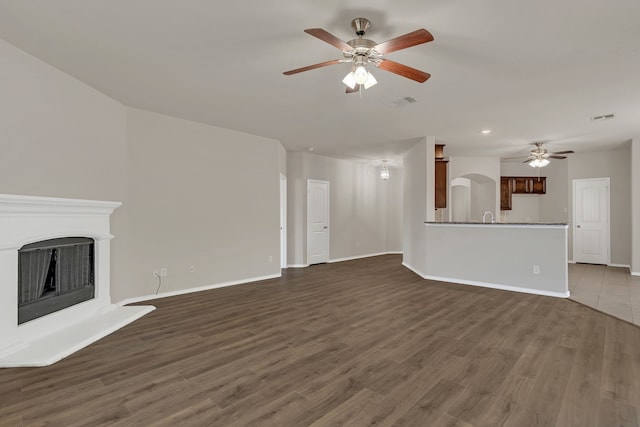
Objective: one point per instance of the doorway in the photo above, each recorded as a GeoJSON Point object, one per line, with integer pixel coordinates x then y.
{"type": "Point", "coordinates": [591, 221]}
{"type": "Point", "coordinates": [317, 221]}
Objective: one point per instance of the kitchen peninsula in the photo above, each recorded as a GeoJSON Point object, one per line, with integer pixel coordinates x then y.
{"type": "Point", "coordinates": [521, 257]}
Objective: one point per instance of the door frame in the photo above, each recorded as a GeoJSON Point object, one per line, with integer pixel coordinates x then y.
{"type": "Point", "coordinates": [283, 221]}
{"type": "Point", "coordinates": [608, 208]}
{"type": "Point", "coordinates": [309, 182]}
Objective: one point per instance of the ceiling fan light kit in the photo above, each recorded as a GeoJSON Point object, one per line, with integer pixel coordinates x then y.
{"type": "Point", "coordinates": [361, 52]}
{"type": "Point", "coordinates": [539, 157]}
{"type": "Point", "coordinates": [538, 163]}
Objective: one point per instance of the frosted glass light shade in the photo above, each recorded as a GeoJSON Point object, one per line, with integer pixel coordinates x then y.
{"type": "Point", "coordinates": [384, 173]}
{"type": "Point", "coordinates": [360, 74]}
{"type": "Point", "coordinates": [349, 80]}
{"type": "Point", "coordinates": [538, 163]}
{"type": "Point", "coordinates": [371, 81]}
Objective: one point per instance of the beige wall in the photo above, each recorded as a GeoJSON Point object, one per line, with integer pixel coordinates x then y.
{"type": "Point", "coordinates": [616, 165]}
{"type": "Point", "coordinates": [61, 138]}
{"type": "Point", "coordinates": [365, 211]}
{"type": "Point", "coordinates": [478, 169]}
{"type": "Point", "coordinates": [550, 207]}
{"type": "Point", "coordinates": [202, 196]}
{"type": "Point", "coordinates": [635, 207]}
{"type": "Point", "coordinates": [192, 194]}
{"type": "Point", "coordinates": [394, 210]}
{"type": "Point", "coordinates": [415, 207]}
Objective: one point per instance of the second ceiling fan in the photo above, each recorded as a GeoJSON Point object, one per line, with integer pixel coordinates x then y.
{"type": "Point", "coordinates": [539, 157]}
{"type": "Point", "coordinates": [362, 52]}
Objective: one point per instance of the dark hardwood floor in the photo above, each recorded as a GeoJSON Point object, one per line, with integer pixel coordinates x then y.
{"type": "Point", "coordinates": [363, 342]}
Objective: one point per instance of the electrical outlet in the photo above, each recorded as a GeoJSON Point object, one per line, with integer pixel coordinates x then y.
{"type": "Point", "coordinates": [536, 269]}
{"type": "Point", "coordinates": [192, 269]}
{"type": "Point", "coordinates": [163, 272]}
{"type": "Point", "coordinates": [270, 258]}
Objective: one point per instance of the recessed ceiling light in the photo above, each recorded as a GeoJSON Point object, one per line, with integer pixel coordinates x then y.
{"type": "Point", "coordinates": [310, 148]}
{"type": "Point", "coordinates": [485, 131]}
{"type": "Point", "coordinates": [603, 117]}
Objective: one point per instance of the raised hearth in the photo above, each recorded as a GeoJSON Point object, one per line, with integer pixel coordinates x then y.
{"type": "Point", "coordinates": [47, 339]}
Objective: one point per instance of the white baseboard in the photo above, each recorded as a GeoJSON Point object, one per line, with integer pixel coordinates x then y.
{"type": "Point", "coordinates": [358, 257]}
{"type": "Point", "coordinates": [297, 265]}
{"type": "Point", "coordinates": [499, 286]}
{"type": "Point", "coordinates": [198, 289]}
{"type": "Point", "coordinates": [620, 265]}
{"type": "Point", "coordinates": [635, 273]}
{"type": "Point", "coordinates": [415, 270]}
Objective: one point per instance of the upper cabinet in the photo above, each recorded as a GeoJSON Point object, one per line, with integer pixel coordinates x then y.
{"type": "Point", "coordinates": [528, 184]}
{"type": "Point", "coordinates": [505, 194]}
{"type": "Point", "coordinates": [520, 185]}
{"type": "Point", "coordinates": [441, 178]}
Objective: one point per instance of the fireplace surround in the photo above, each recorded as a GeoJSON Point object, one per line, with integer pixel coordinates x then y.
{"type": "Point", "coordinates": [42, 341]}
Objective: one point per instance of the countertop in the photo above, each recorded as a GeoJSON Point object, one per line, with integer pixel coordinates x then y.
{"type": "Point", "coordinates": [502, 224]}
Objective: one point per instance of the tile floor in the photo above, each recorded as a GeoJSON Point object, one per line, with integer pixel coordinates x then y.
{"type": "Point", "coordinates": [609, 289]}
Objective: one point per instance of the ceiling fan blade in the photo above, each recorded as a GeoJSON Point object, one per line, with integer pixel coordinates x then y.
{"type": "Point", "coordinates": [557, 157]}
{"type": "Point", "coordinates": [564, 152]}
{"type": "Point", "coordinates": [515, 158]}
{"type": "Point", "coordinates": [403, 70]}
{"type": "Point", "coordinates": [411, 39]}
{"type": "Point", "coordinates": [327, 37]}
{"type": "Point", "coordinates": [312, 67]}
{"type": "Point", "coordinates": [355, 89]}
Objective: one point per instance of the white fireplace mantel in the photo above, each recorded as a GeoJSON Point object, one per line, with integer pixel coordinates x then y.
{"type": "Point", "coordinates": [43, 341]}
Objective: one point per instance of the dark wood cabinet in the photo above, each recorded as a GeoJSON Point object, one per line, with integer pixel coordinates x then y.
{"type": "Point", "coordinates": [441, 184]}
{"type": "Point", "coordinates": [440, 177]}
{"type": "Point", "coordinates": [538, 185]}
{"type": "Point", "coordinates": [528, 184]}
{"type": "Point", "coordinates": [505, 194]}
{"type": "Point", "coordinates": [520, 185]}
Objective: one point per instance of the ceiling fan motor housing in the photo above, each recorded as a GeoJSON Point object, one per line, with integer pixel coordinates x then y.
{"type": "Point", "coordinates": [360, 26]}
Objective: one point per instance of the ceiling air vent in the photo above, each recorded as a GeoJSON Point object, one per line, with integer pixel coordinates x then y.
{"type": "Point", "coordinates": [603, 117]}
{"type": "Point", "coordinates": [404, 101]}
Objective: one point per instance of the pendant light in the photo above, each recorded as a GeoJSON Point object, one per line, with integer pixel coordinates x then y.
{"type": "Point", "coordinates": [384, 172]}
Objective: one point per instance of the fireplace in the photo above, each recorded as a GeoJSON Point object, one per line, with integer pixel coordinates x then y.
{"type": "Point", "coordinates": [55, 278]}
{"type": "Point", "coordinates": [54, 274]}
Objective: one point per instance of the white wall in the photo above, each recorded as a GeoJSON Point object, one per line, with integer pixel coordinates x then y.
{"type": "Point", "coordinates": [203, 196]}
{"type": "Point", "coordinates": [615, 164]}
{"type": "Point", "coordinates": [365, 211]}
{"type": "Point", "coordinates": [192, 194]}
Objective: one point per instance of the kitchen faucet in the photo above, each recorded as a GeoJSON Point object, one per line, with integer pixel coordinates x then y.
{"type": "Point", "coordinates": [484, 216]}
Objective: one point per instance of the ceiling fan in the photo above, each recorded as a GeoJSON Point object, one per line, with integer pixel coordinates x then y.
{"type": "Point", "coordinates": [362, 52]}
{"type": "Point", "coordinates": [539, 157]}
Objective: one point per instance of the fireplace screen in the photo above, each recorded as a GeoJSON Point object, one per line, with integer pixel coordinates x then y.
{"type": "Point", "coordinates": [53, 275]}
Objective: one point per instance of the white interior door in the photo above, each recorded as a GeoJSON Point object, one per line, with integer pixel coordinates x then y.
{"type": "Point", "coordinates": [317, 221]}
{"type": "Point", "coordinates": [591, 220]}
{"type": "Point", "coordinates": [283, 221]}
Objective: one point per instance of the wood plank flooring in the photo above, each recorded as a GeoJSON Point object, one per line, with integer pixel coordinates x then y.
{"type": "Point", "coordinates": [357, 343]}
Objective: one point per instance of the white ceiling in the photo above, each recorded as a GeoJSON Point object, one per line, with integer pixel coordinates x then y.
{"type": "Point", "coordinates": [529, 70]}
